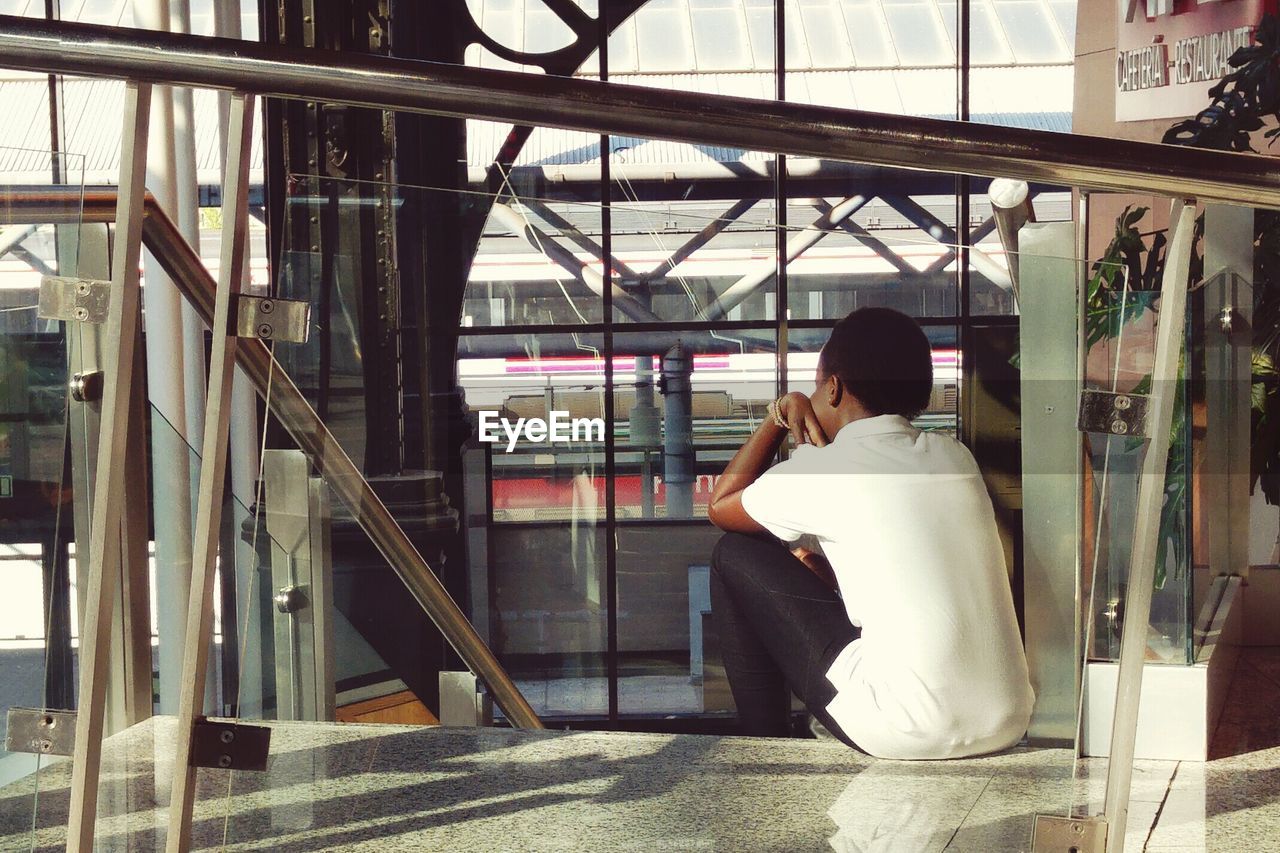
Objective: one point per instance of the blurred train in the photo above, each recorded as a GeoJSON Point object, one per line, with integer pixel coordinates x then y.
{"type": "Point", "coordinates": [730, 392]}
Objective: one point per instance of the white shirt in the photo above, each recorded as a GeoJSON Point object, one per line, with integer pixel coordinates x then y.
{"type": "Point", "coordinates": [904, 518]}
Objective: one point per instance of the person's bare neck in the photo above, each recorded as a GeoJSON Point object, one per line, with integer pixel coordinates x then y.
{"type": "Point", "coordinates": [850, 410]}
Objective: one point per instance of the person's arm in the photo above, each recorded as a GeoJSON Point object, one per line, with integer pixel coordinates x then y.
{"type": "Point", "coordinates": [753, 458]}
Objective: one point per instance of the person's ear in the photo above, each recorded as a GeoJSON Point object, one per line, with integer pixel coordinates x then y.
{"type": "Point", "coordinates": [835, 391]}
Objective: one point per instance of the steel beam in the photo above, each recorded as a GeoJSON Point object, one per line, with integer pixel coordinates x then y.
{"type": "Point", "coordinates": [927, 222]}
{"type": "Point", "coordinates": [932, 145]}
{"type": "Point", "coordinates": [797, 245]}
{"type": "Point", "coordinates": [702, 238]}
{"type": "Point", "coordinates": [975, 236]}
{"type": "Point", "coordinates": [541, 242]}
{"type": "Point", "coordinates": [867, 239]}
{"type": "Point", "coordinates": [575, 236]}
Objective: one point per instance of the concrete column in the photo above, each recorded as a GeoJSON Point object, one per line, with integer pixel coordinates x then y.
{"type": "Point", "coordinates": [677, 439]}
{"type": "Point", "coordinates": [171, 454]}
{"type": "Point", "coordinates": [187, 209]}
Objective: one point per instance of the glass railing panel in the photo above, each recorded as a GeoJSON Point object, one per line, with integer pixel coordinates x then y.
{"type": "Point", "coordinates": [537, 544]}
{"type": "Point", "coordinates": [281, 648]}
{"type": "Point", "coordinates": [255, 651]}
{"type": "Point", "coordinates": [38, 522]}
{"type": "Point", "coordinates": [1122, 317]}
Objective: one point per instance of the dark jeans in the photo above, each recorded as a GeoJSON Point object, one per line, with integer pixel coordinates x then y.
{"type": "Point", "coordinates": [778, 626]}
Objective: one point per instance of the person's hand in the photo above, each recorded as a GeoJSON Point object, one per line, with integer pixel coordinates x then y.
{"type": "Point", "coordinates": [797, 410]}
{"type": "Point", "coordinates": [817, 564]}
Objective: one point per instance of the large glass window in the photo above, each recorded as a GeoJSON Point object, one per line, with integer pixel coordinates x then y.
{"type": "Point", "coordinates": [648, 283]}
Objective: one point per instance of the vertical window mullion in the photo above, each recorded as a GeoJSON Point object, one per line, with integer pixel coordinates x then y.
{"type": "Point", "coordinates": [610, 444]}
{"type": "Point", "coordinates": [780, 200]}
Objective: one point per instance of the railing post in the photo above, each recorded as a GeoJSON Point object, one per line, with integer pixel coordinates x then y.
{"type": "Point", "coordinates": [297, 526]}
{"type": "Point", "coordinates": [118, 366]}
{"type": "Point", "coordinates": [195, 657]}
{"type": "Point", "coordinates": [1170, 331]}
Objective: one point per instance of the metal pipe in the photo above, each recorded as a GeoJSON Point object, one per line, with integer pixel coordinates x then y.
{"type": "Point", "coordinates": [678, 462]}
{"type": "Point", "coordinates": [709, 181]}
{"type": "Point", "coordinates": [303, 425]}
{"type": "Point", "coordinates": [644, 429]}
{"type": "Point", "coordinates": [798, 168]}
{"type": "Point", "coordinates": [1011, 208]}
{"type": "Point", "coordinates": [187, 212]}
{"type": "Point", "coordinates": [933, 145]}
{"type": "Point", "coordinates": [244, 436]}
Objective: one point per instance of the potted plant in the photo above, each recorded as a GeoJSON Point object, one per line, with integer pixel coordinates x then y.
{"type": "Point", "coordinates": [1241, 102]}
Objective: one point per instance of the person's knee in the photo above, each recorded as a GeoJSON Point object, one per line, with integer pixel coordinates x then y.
{"type": "Point", "coordinates": [729, 552]}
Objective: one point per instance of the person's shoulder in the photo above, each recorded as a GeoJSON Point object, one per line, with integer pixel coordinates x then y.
{"type": "Point", "coordinates": [949, 453]}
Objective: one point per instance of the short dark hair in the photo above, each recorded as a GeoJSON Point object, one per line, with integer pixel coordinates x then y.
{"type": "Point", "coordinates": [883, 358]}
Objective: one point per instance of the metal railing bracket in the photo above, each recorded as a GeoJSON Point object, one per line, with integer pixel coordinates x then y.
{"type": "Point", "coordinates": [40, 731]}
{"type": "Point", "coordinates": [272, 319]}
{"type": "Point", "coordinates": [229, 746]}
{"type": "Point", "coordinates": [1058, 834]}
{"type": "Point", "coordinates": [1117, 414]}
{"type": "Point", "coordinates": [82, 300]}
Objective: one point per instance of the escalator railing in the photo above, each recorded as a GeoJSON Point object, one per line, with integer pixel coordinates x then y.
{"type": "Point", "coordinates": [160, 235]}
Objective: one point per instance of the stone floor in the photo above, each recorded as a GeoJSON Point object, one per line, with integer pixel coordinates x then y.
{"type": "Point", "coordinates": [356, 787]}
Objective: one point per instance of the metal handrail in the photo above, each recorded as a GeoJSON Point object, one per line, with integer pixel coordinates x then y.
{"type": "Point", "coordinates": [295, 414]}
{"type": "Point", "coordinates": [932, 145]}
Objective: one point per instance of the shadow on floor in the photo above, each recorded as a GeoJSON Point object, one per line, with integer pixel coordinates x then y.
{"type": "Point", "coordinates": [1249, 721]}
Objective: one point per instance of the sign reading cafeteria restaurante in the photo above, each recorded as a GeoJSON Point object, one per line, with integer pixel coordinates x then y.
{"type": "Point", "coordinates": [1171, 52]}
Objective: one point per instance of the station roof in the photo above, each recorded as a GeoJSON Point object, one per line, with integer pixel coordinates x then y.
{"type": "Point", "coordinates": [890, 56]}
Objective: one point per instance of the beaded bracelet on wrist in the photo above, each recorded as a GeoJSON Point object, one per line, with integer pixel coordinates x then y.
{"type": "Point", "coordinates": [776, 414]}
